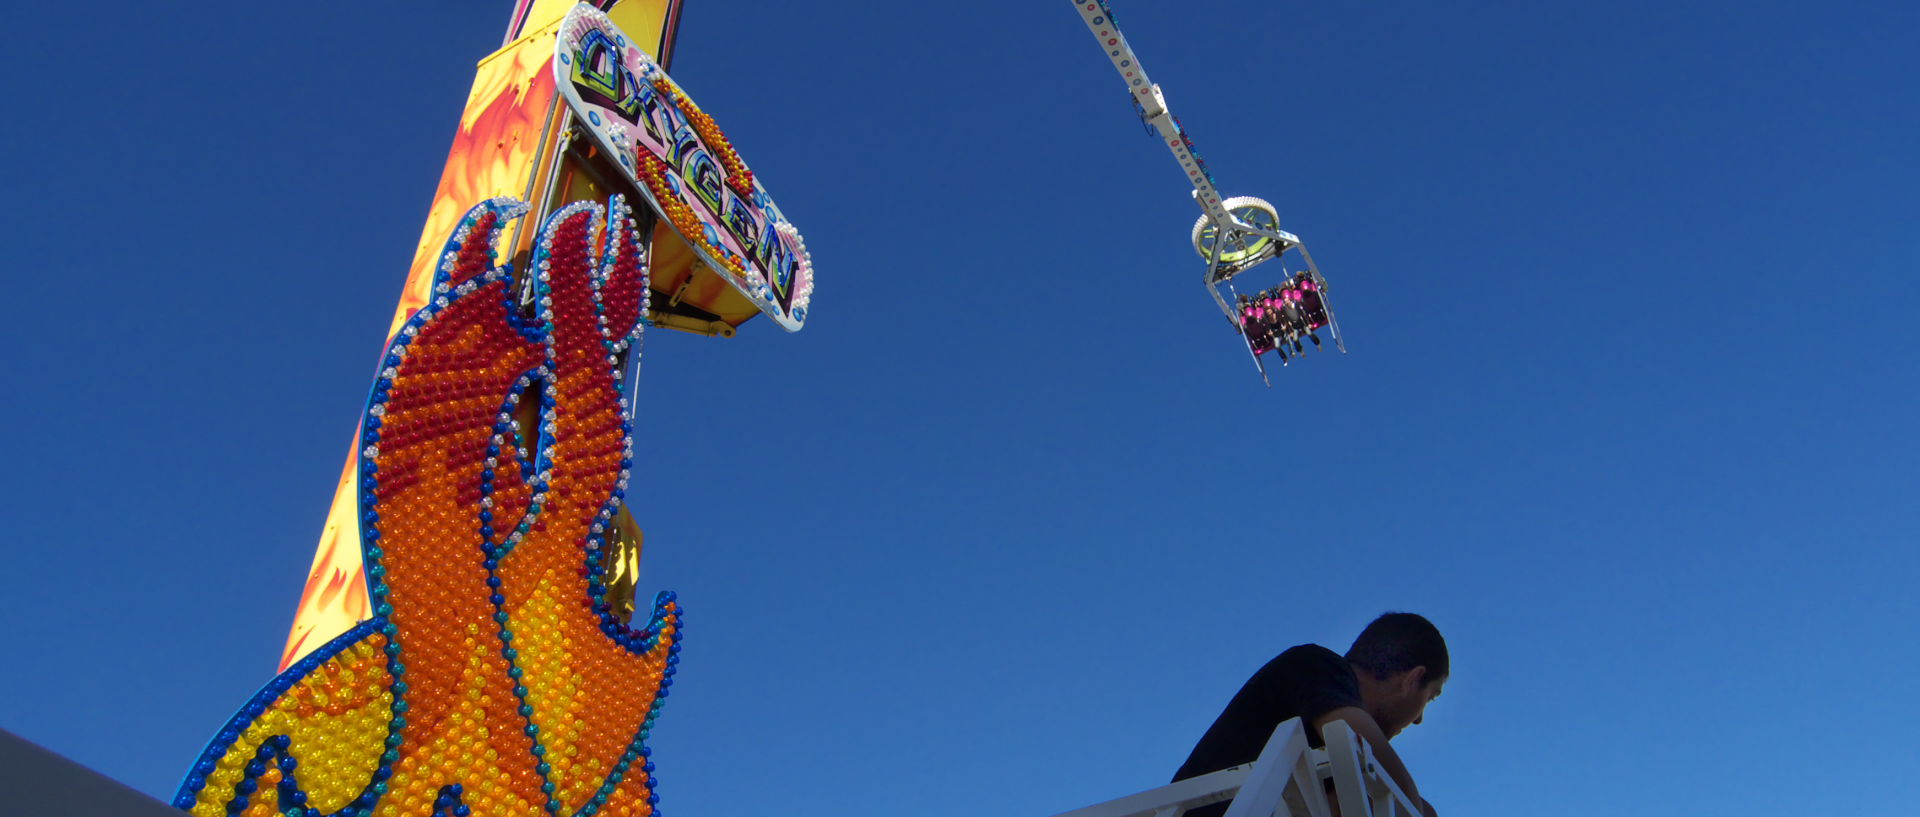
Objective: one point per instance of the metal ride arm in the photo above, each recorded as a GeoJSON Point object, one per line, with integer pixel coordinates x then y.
{"type": "Point", "coordinates": [1288, 778]}
{"type": "Point", "coordinates": [1153, 109]}
{"type": "Point", "coordinates": [1153, 106]}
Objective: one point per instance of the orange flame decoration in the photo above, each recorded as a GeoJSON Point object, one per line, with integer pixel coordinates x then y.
{"type": "Point", "coordinates": [493, 678]}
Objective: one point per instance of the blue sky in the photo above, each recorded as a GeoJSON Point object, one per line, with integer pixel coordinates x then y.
{"type": "Point", "coordinates": [1628, 414]}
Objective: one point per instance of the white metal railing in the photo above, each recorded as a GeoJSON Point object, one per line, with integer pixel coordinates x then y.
{"type": "Point", "coordinates": [1358, 778]}
{"type": "Point", "coordinates": [1288, 778]}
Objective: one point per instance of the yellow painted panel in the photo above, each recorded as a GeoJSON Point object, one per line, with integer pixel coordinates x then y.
{"type": "Point", "coordinates": [496, 152]}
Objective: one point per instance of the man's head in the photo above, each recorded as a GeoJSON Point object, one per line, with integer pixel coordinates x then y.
{"type": "Point", "coordinates": [1401, 662]}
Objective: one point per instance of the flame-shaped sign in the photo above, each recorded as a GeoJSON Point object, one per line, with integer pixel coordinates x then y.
{"type": "Point", "coordinates": [673, 152]}
{"type": "Point", "coordinates": [493, 678]}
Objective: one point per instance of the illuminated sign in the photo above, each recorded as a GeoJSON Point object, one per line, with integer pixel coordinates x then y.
{"type": "Point", "coordinates": [673, 152]}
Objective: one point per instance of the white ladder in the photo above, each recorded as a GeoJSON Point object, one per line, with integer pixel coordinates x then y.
{"type": "Point", "coordinates": [1286, 779]}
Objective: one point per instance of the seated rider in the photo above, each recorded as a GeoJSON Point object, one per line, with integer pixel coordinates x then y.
{"type": "Point", "coordinates": [1252, 325]}
{"type": "Point", "coordinates": [1277, 324]}
{"type": "Point", "coordinates": [1314, 309]}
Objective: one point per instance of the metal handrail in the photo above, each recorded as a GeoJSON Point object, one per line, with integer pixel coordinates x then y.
{"type": "Point", "coordinates": [1286, 779]}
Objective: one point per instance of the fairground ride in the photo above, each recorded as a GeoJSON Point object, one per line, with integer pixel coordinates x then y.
{"type": "Point", "coordinates": [1234, 235]}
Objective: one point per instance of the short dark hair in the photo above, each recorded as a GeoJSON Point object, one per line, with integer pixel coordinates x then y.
{"type": "Point", "coordinates": [1397, 642]}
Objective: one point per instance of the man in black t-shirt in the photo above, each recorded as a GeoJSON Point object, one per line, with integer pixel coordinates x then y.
{"type": "Point", "coordinates": [1381, 686]}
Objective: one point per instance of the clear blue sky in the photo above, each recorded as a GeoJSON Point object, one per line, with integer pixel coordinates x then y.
{"type": "Point", "coordinates": [1629, 412]}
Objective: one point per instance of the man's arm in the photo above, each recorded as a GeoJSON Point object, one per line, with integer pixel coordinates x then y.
{"type": "Point", "coordinates": [1363, 726]}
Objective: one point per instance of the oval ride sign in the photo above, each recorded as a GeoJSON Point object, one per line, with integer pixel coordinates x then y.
{"type": "Point", "coordinates": [678, 158]}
